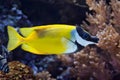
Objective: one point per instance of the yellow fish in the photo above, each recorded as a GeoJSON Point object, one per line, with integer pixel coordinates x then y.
{"type": "Point", "coordinates": [50, 39]}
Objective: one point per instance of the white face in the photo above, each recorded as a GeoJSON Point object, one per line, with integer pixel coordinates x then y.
{"type": "Point", "coordinates": [78, 40]}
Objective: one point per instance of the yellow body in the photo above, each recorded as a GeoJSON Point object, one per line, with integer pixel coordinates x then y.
{"type": "Point", "coordinates": [47, 39]}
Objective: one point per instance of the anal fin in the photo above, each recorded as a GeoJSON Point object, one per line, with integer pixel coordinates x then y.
{"type": "Point", "coordinates": [30, 49]}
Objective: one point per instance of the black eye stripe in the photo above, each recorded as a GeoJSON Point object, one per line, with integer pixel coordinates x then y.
{"type": "Point", "coordinates": [82, 33]}
{"type": "Point", "coordinates": [86, 35]}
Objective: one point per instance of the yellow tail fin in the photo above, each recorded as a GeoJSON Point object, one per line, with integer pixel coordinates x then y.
{"type": "Point", "coordinates": [14, 39]}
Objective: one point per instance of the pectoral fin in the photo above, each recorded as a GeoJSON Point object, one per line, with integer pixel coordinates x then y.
{"type": "Point", "coordinates": [71, 47]}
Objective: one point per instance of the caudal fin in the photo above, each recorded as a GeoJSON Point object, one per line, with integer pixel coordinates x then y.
{"type": "Point", "coordinates": [14, 39]}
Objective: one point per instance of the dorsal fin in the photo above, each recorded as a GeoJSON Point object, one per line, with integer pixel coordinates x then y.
{"type": "Point", "coordinates": [26, 31]}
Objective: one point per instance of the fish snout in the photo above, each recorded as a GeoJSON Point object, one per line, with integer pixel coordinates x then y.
{"type": "Point", "coordinates": [95, 39]}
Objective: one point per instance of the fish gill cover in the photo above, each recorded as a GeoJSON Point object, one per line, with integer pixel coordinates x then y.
{"type": "Point", "coordinates": [94, 62]}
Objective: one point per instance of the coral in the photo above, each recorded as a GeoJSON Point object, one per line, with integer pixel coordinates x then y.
{"type": "Point", "coordinates": [109, 36]}
{"type": "Point", "coordinates": [106, 27]}
{"type": "Point", "coordinates": [44, 75]}
{"type": "Point", "coordinates": [109, 39]}
{"type": "Point", "coordinates": [115, 5]}
{"type": "Point", "coordinates": [89, 63]}
{"type": "Point", "coordinates": [2, 75]}
{"type": "Point", "coordinates": [67, 60]}
{"type": "Point", "coordinates": [99, 17]}
{"type": "Point", "coordinates": [18, 71]}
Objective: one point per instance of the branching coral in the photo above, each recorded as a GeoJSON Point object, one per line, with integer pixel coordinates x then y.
{"type": "Point", "coordinates": [115, 5]}
{"type": "Point", "coordinates": [109, 39]}
{"type": "Point", "coordinates": [99, 17]}
{"type": "Point", "coordinates": [103, 14]}
{"type": "Point", "coordinates": [107, 28]}
{"type": "Point", "coordinates": [91, 64]}
{"type": "Point", "coordinates": [110, 36]}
